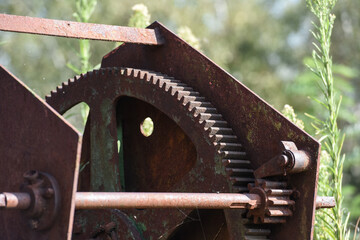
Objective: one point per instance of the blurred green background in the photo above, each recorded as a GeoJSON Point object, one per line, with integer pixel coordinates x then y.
{"type": "Point", "coordinates": [263, 43]}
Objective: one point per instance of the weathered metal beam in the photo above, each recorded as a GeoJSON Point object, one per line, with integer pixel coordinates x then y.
{"type": "Point", "coordinates": [69, 29]}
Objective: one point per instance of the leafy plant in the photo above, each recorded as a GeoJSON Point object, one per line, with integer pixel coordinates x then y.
{"type": "Point", "coordinates": [333, 223]}
{"type": "Point", "coordinates": [84, 10]}
{"type": "Point", "coordinates": [140, 17]}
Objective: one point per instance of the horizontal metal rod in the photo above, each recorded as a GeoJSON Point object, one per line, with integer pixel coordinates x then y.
{"type": "Point", "coordinates": [99, 200]}
{"type": "Point", "coordinates": [325, 202]}
{"type": "Point", "coordinates": [121, 200]}
{"type": "Point", "coordinates": [15, 200]}
{"type": "Point", "coordinates": [69, 29]}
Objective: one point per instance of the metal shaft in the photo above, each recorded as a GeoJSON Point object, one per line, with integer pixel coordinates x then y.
{"type": "Point", "coordinates": [51, 27]}
{"type": "Point", "coordinates": [98, 200]}
{"type": "Point", "coordinates": [103, 200]}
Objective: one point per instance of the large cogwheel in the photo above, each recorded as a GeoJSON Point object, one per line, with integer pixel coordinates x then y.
{"type": "Point", "coordinates": [192, 149]}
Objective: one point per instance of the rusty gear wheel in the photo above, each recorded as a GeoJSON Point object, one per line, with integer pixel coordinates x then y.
{"type": "Point", "coordinates": [192, 149]}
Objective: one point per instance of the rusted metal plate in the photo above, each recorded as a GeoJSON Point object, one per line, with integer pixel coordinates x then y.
{"type": "Point", "coordinates": [259, 127]}
{"type": "Point", "coordinates": [69, 29]}
{"type": "Point", "coordinates": [35, 137]}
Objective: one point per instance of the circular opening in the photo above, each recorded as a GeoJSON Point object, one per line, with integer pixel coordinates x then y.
{"type": "Point", "coordinates": [147, 127]}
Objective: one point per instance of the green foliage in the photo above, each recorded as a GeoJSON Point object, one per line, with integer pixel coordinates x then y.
{"type": "Point", "coordinates": [289, 112]}
{"type": "Point", "coordinates": [185, 33]}
{"type": "Point", "coordinates": [84, 10]}
{"type": "Point", "coordinates": [140, 17]}
{"type": "Point", "coordinates": [147, 127]}
{"type": "Point", "coordinates": [331, 224]}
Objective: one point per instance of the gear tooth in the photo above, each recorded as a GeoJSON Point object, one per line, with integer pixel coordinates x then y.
{"type": "Point", "coordinates": [53, 92]}
{"type": "Point", "coordinates": [169, 89]}
{"type": "Point", "coordinates": [123, 71]}
{"type": "Point", "coordinates": [164, 87]}
{"type": "Point", "coordinates": [136, 73]}
{"type": "Point", "coordinates": [64, 84]}
{"type": "Point", "coordinates": [189, 106]}
{"type": "Point", "coordinates": [150, 78]}
{"type": "Point", "coordinates": [177, 96]}
{"type": "Point", "coordinates": [143, 75]}
{"type": "Point", "coordinates": [129, 71]}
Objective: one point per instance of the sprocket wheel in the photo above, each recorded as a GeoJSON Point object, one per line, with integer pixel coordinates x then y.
{"type": "Point", "coordinates": [192, 149]}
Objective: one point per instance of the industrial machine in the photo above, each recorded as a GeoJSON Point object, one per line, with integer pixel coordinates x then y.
{"type": "Point", "coordinates": [221, 163]}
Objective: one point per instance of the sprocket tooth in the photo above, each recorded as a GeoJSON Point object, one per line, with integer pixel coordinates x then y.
{"type": "Point", "coordinates": [128, 72]}
{"type": "Point", "coordinates": [143, 75]}
{"type": "Point", "coordinates": [236, 163]}
{"type": "Point", "coordinates": [228, 146]}
{"type": "Point", "coordinates": [188, 106]}
{"type": "Point", "coordinates": [136, 73]}
{"type": "Point", "coordinates": [225, 138]}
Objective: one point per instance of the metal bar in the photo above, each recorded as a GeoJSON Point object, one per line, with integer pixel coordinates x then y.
{"type": "Point", "coordinates": [104, 200]}
{"type": "Point", "coordinates": [69, 29]}
{"type": "Point", "coordinates": [325, 202]}
{"type": "Point", "coordinates": [100, 200]}
{"type": "Point", "coordinates": [15, 200]}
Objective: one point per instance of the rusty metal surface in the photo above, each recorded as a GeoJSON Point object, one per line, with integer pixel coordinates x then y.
{"type": "Point", "coordinates": [99, 200]}
{"type": "Point", "coordinates": [69, 29]}
{"type": "Point", "coordinates": [289, 161]}
{"type": "Point", "coordinates": [45, 195]}
{"type": "Point", "coordinates": [187, 152]}
{"type": "Point", "coordinates": [33, 136]}
{"type": "Point", "coordinates": [19, 200]}
{"type": "Point", "coordinates": [325, 202]}
{"type": "Point", "coordinates": [259, 127]}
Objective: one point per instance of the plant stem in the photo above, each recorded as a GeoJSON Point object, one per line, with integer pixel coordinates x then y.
{"type": "Point", "coordinates": [334, 221]}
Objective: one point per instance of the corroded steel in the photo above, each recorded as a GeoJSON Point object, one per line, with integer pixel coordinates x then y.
{"type": "Point", "coordinates": [34, 136]}
{"type": "Point", "coordinates": [182, 118]}
{"type": "Point", "coordinates": [325, 202]}
{"type": "Point", "coordinates": [290, 161]}
{"type": "Point", "coordinates": [17, 200]}
{"type": "Point", "coordinates": [258, 126]}
{"type": "Point", "coordinates": [69, 29]}
{"type": "Point", "coordinates": [98, 200]}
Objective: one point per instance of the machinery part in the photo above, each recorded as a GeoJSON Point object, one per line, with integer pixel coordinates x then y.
{"type": "Point", "coordinates": [45, 199]}
{"type": "Point", "coordinates": [325, 202]}
{"type": "Point", "coordinates": [258, 125]}
{"type": "Point", "coordinates": [189, 135]}
{"type": "Point", "coordinates": [58, 28]}
{"type": "Point", "coordinates": [276, 199]}
{"type": "Point", "coordinates": [40, 199]}
{"type": "Point", "coordinates": [99, 200]}
{"type": "Point", "coordinates": [34, 136]}
{"type": "Point", "coordinates": [290, 161]}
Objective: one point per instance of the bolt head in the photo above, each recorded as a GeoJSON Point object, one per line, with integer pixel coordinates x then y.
{"type": "Point", "coordinates": [34, 224]}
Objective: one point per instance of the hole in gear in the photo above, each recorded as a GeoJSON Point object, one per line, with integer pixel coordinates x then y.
{"type": "Point", "coordinates": [147, 127]}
